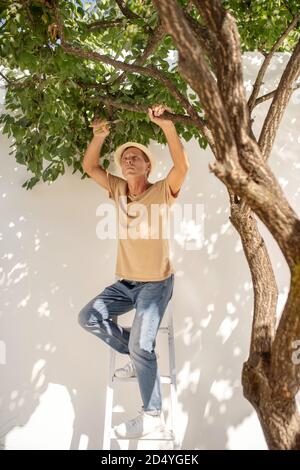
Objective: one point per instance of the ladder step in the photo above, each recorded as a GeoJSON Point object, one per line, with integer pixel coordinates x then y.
{"type": "Point", "coordinates": [167, 435]}
{"type": "Point", "coordinates": [163, 329]}
{"type": "Point", "coordinates": [165, 379]}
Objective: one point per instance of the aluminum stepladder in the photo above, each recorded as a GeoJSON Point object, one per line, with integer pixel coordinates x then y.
{"type": "Point", "coordinates": [169, 434]}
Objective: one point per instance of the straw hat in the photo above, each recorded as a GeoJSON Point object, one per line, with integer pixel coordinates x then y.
{"type": "Point", "coordinates": [118, 152]}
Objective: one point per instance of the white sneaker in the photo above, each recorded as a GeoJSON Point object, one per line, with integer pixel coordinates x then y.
{"type": "Point", "coordinates": [143, 424]}
{"type": "Point", "coordinates": [128, 370]}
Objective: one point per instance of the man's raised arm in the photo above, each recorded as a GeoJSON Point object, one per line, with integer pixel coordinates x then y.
{"type": "Point", "coordinates": [90, 162]}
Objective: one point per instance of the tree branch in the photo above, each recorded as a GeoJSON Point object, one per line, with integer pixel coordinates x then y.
{"type": "Point", "coordinates": [285, 377]}
{"type": "Point", "coordinates": [112, 101]}
{"type": "Point", "coordinates": [263, 279]}
{"type": "Point", "coordinates": [149, 70]}
{"type": "Point", "coordinates": [207, 39]}
{"type": "Point", "coordinates": [199, 78]}
{"type": "Point", "coordinates": [258, 82]}
{"type": "Point", "coordinates": [154, 38]}
{"type": "Point", "coordinates": [273, 210]}
{"type": "Point", "coordinates": [103, 24]}
{"type": "Point", "coordinates": [126, 11]}
{"type": "Point", "coordinates": [229, 65]}
{"type": "Point", "coordinates": [267, 96]}
{"type": "Point", "coordinates": [5, 78]}
{"type": "Point", "coordinates": [279, 103]}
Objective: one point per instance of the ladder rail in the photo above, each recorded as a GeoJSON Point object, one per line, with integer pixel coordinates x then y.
{"type": "Point", "coordinates": [109, 397]}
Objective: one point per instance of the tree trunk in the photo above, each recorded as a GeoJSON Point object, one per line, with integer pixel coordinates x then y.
{"type": "Point", "coordinates": [279, 418]}
{"type": "Point", "coordinates": [271, 380]}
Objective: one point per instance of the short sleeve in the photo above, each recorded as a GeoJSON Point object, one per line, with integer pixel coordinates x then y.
{"type": "Point", "coordinates": [113, 184]}
{"type": "Point", "coordinates": [170, 197]}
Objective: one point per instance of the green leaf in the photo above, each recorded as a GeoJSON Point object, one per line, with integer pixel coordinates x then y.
{"type": "Point", "coordinates": [48, 116]}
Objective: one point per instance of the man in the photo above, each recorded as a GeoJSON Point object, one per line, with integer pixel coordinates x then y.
{"type": "Point", "coordinates": [146, 275]}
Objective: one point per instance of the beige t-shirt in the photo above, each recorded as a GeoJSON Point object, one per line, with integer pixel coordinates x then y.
{"type": "Point", "coordinates": [143, 228]}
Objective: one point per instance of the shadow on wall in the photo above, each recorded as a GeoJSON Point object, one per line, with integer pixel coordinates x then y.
{"type": "Point", "coordinates": [53, 381]}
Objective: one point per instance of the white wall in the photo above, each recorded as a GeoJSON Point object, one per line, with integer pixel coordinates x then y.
{"type": "Point", "coordinates": [53, 378]}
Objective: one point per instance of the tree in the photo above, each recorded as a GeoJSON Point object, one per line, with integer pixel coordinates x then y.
{"type": "Point", "coordinates": [110, 57]}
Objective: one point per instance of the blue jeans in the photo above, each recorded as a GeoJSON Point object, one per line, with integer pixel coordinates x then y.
{"type": "Point", "coordinates": [150, 299]}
